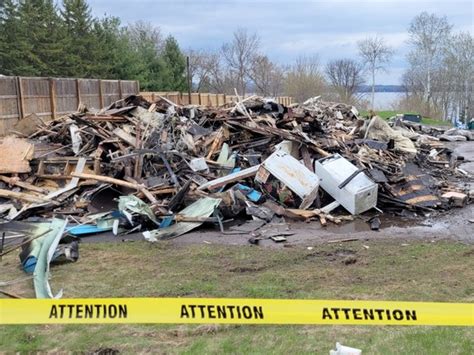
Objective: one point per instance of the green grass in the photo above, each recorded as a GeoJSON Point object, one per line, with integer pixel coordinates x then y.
{"type": "Point", "coordinates": [420, 271]}
{"type": "Point", "coordinates": [435, 122]}
{"type": "Point", "coordinates": [386, 114]}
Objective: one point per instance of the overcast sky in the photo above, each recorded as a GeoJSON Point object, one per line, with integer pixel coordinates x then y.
{"type": "Point", "coordinates": [288, 29]}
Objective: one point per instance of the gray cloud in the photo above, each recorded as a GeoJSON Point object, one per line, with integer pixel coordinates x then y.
{"type": "Point", "coordinates": [329, 29]}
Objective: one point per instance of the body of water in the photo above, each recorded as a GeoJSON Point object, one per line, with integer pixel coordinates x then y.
{"type": "Point", "coordinates": [384, 100]}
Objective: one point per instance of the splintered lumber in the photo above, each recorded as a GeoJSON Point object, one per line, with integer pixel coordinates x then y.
{"type": "Point", "coordinates": [216, 143]}
{"type": "Point", "coordinates": [165, 191]}
{"type": "Point", "coordinates": [107, 179]}
{"type": "Point", "coordinates": [118, 182]}
{"type": "Point", "coordinates": [22, 184]}
{"type": "Point", "coordinates": [22, 196]}
{"type": "Point", "coordinates": [321, 215]}
{"type": "Point", "coordinates": [238, 176]}
{"type": "Point", "coordinates": [143, 190]}
{"type": "Point", "coordinates": [129, 139]}
{"type": "Point", "coordinates": [15, 155]}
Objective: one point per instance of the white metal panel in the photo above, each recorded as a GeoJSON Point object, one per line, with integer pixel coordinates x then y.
{"type": "Point", "coordinates": [293, 174]}
{"type": "Point", "coordinates": [358, 196]}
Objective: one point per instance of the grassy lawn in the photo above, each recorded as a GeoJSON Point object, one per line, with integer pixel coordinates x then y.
{"type": "Point", "coordinates": [386, 114]}
{"type": "Point", "coordinates": [386, 270]}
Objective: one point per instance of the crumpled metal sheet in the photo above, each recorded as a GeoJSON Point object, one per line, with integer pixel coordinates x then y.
{"type": "Point", "coordinates": [131, 204]}
{"type": "Point", "coordinates": [48, 247]}
{"type": "Point", "coordinates": [203, 207]}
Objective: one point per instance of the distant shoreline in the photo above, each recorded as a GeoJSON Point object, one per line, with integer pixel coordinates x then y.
{"type": "Point", "coordinates": [381, 88]}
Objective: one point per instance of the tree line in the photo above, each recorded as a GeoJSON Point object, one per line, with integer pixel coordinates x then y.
{"type": "Point", "coordinates": [440, 78]}
{"type": "Point", "coordinates": [39, 38]}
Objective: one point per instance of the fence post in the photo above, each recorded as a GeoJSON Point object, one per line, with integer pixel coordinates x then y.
{"type": "Point", "coordinates": [101, 96]}
{"type": "Point", "coordinates": [52, 97]}
{"type": "Point", "coordinates": [20, 98]}
{"type": "Point", "coordinates": [78, 92]}
{"type": "Point", "coordinates": [120, 89]}
{"type": "Point", "coordinates": [17, 92]}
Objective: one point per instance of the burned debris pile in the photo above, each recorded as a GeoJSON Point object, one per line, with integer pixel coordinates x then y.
{"type": "Point", "coordinates": [161, 158]}
{"type": "Point", "coordinates": [163, 169]}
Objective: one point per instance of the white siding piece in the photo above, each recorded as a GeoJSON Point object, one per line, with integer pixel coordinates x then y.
{"type": "Point", "coordinates": [294, 175]}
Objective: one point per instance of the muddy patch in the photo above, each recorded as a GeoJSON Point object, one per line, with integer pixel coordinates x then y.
{"type": "Point", "coordinates": [245, 269]}
{"type": "Point", "coordinates": [104, 351]}
{"type": "Point", "coordinates": [344, 256]}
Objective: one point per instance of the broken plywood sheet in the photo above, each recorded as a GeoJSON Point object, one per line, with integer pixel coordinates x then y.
{"type": "Point", "coordinates": [15, 154]}
{"type": "Point", "coordinates": [414, 191]}
{"type": "Point", "coordinates": [28, 125]}
{"type": "Point", "coordinates": [203, 207]}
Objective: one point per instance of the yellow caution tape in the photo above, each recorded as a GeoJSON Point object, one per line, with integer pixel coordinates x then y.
{"type": "Point", "coordinates": [227, 310]}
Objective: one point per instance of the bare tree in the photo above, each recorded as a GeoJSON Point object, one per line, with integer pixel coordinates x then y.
{"type": "Point", "coordinates": [201, 67]}
{"type": "Point", "coordinates": [220, 79]}
{"type": "Point", "coordinates": [304, 79]}
{"type": "Point", "coordinates": [345, 76]}
{"type": "Point", "coordinates": [143, 33]}
{"type": "Point", "coordinates": [376, 55]}
{"type": "Point", "coordinates": [239, 56]}
{"type": "Point", "coordinates": [429, 35]}
{"type": "Point", "coordinates": [458, 66]}
{"type": "Point", "coordinates": [266, 76]}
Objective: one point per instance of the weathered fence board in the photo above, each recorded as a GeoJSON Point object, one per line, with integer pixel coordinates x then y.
{"type": "Point", "coordinates": [52, 97]}
{"type": "Point", "coordinates": [205, 99]}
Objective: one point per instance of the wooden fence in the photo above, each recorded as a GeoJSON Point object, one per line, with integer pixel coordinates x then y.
{"type": "Point", "coordinates": [52, 97]}
{"type": "Point", "coordinates": [206, 99]}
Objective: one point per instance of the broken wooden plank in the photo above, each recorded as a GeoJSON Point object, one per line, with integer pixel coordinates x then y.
{"type": "Point", "coordinates": [106, 179]}
{"type": "Point", "coordinates": [81, 163]}
{"type": "Point", "coordinates": [128, 138]}
{"type": "Point", "coordinates": [459, 199]}
{"type": "Point", "coordinates": [22, 184]}
{"type": "Point", "coordinates": [22, 196]}
{"type": "Point", "coordinates": [216, 143]}
{"type": "Point", "coordinates": [118, 182]}
{"type": "Point", "coordinates": [238, 176]}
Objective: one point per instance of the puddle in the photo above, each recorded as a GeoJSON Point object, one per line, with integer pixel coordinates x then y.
{"type": "Point", "coordinates": [386, 221]}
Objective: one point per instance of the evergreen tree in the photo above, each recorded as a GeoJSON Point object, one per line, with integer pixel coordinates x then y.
{"type": "Point", "coordinates": [173, 74]}
{"type": "Point", "coordinates": [11, 49]}
{"type": "Point", "coordinates": [39, 38]}
{"type": "Point", "coordinates": [78, 40]}
{"type": "Point", "coordinates": [113, 52]}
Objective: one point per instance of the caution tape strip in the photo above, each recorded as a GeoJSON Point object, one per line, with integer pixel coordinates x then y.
{"type": "Point", "coordinates": [227, 310]}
